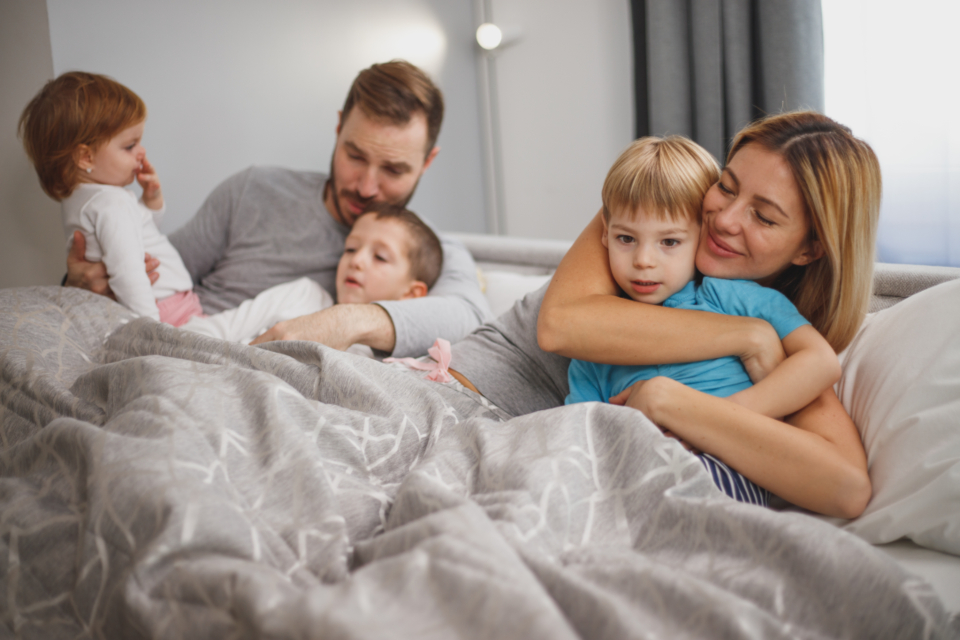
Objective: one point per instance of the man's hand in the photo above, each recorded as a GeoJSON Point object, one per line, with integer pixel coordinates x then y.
{"type": "Point", "coordinates": [643, 396]}
{"type": "Point", "coordinates": [92, 276]}
{"type": "Point", "coordinates": [147, 177]}
{"type": "Point", "coordinates": [339, 327]}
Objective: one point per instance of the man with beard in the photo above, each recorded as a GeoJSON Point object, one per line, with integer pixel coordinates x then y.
{"type": "Point", "coordinates": [269, 225]}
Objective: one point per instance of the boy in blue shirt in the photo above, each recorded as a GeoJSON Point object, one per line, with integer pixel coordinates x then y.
{"type": "Point", "coordinates": [652, 200]}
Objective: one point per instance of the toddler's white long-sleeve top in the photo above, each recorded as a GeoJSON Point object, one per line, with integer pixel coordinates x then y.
{"type": "Point", "coordinates": [119, 229]}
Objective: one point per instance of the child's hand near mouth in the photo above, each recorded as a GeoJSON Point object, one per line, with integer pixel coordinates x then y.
{"type": "Point", "coordinates": [147, 177]}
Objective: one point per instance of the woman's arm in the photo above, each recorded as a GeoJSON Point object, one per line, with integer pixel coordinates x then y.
{"type": "Point", "coordinates": [815, 460]}
{"type": "Point", "coordinates": [811, 368]}
{"type": "Point", "coordinates": [582, 317]}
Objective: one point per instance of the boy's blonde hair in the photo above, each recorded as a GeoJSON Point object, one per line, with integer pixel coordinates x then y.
{"type": "Point", "coordinates": [666, 177]}
{"type": "Point", "coordinates": [76, 108]}
{"type": "Point", "coordinates": [838, 176]}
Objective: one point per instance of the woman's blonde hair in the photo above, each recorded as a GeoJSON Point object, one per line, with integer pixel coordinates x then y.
{"type": "Point", "coordinates": [839, 179]}
{"type": "Point", "coordinates": [74, 109]}
{"type": "Point", "coordinates": [667, 177]}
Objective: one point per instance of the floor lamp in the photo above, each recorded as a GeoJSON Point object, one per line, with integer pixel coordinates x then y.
{"type": "Point", "coordinates": [492, 38]}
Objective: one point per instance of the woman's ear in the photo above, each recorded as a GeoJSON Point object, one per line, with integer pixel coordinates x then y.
{"type": "Point", "coordinates": [417, 289]}
{"type": "Point", "coordinates": [811, 253]}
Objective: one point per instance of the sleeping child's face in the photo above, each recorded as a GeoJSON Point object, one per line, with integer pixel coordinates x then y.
{"type": "Point", "coordinates": [651, 259]}
{"type": "Point", "coordinates": [376, 263]}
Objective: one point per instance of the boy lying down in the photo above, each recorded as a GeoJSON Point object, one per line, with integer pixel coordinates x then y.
{"type": "Point", "coordinates": [390, 254]}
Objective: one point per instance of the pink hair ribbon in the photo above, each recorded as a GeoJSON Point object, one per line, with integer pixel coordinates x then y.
{"type": "Point", "coordinates": [439, 368]}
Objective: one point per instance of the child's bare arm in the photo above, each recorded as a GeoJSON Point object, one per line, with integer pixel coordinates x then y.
{"type": "Point", "coordinates": [811, 368]}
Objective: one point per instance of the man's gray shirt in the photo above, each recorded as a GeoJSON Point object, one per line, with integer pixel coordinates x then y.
{"type": "Point", "coordinates": [268, 225]}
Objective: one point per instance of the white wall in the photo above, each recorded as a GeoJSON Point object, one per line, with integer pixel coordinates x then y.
{"type": "Point", "coordinates": [230, 83]}
{"type": "Point", "coordinates": [566, 109]}
{"type": "Point", "coordinates": [234, 83]}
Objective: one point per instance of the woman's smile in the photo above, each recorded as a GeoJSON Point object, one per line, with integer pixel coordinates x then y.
{"type": "Point", "coordinates": [717, 246]}
{"type": "Point", "coordinates": [755, 223]}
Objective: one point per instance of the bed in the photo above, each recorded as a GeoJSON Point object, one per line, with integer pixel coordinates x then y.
{"type": "Point", "coordinates": [160, 484]}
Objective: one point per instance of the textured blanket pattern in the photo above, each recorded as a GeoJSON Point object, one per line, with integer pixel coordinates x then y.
{"type": "Point", "coordinates": [158, 484]}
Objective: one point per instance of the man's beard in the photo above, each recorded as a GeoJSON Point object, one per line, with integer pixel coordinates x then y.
{"type": "Point", "coordinates": [331, 184]}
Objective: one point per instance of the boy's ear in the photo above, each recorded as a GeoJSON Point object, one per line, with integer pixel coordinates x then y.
{"type": "Point", "coordinates": [603, 238]}
{"type": "Point", "coordinates": [417, 289]}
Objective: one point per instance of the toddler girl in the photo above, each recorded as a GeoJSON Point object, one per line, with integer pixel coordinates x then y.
{"type": "Point", "coordinates": [82, 132]}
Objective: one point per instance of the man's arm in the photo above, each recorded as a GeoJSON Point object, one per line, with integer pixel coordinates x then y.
{"type": "Point", "coordinates": [403, 328]}
{"type": "Point", "coordinates": [339, 327]}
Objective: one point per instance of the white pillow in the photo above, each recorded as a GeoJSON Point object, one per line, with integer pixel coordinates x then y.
{"type": "Point", "coordinates": [503, 288]}
{"type": "Point", "coordinates": [901, 386]}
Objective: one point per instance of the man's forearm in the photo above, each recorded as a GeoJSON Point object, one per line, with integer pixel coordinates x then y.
{"type": "Point", "coordinates": [372, 325]}
{"type": "Point", "coordinates": [339, 327]}
{"type": "Point", "coordinates": [417, 323]}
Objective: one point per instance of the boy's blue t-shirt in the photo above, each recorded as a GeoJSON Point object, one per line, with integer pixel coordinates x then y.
{"type": "Point", "coordinates": [721, 377]}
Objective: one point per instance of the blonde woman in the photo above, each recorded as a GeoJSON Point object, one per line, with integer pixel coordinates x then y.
{"type": "Point", "coordinates": [796, 209]}
{"type": "Point", "coordinates": [795, 185]}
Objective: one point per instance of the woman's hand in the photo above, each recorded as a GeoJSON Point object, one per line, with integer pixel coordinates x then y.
{"type": "Point", "coordinates": [644, 396]}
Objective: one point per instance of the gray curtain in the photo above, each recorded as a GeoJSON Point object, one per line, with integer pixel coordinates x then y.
{"type": "Point", "coordinates": [706, 68]}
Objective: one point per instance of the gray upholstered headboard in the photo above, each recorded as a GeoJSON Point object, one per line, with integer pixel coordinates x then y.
{"type": "Point", "coordinates": [894, 282]}
{"type": "Point", "coordinates": [891, 282]}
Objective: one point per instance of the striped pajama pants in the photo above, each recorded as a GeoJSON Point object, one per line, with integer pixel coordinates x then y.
{"type": "Point", "coordinates": [733, 484]}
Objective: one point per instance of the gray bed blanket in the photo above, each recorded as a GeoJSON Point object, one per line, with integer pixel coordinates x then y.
{"type": "Point", "coordinates": [158, 484]}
